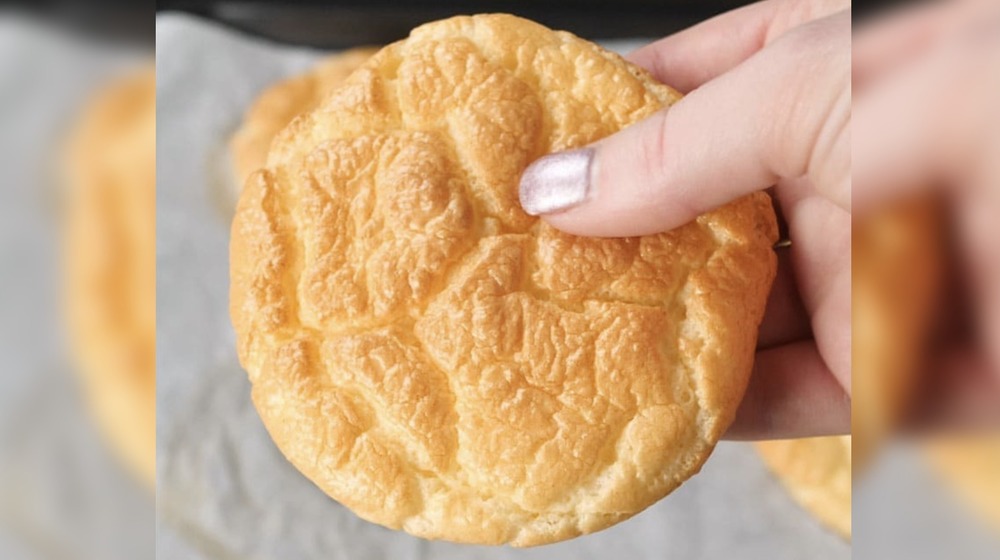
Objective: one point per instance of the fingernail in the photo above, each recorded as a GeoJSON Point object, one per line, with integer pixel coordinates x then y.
{"type": "Point", "coordinates": [556, 182]}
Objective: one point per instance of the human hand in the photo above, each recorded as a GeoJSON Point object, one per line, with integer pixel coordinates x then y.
{"type": "Point", "coordinates": [927, 120]}
{"type": "Point", "coordinates": [769, 103]}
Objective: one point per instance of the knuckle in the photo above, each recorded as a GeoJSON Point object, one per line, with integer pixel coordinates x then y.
{"type": "Point", "coordinates": [651, 153]}
{"type": "Point", "coordinates": [813, 119]}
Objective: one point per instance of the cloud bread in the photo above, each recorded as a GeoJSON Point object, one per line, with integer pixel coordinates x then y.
{"type": "Point", "coordinates": [439, 361]}
{"type": "Point", "coordinates": [110, 252]}
{"type": "Point", "coordinates": [895, 277]}
{"type": "Point", "coordinates": [817, 473]}
{"type": "Point", "coordinates": [282, 102]}
{"type": "Point", "coordinates": [970, 465]}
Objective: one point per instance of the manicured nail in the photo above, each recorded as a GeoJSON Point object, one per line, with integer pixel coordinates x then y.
{"type": "Point", "coordinates": [556, 182]}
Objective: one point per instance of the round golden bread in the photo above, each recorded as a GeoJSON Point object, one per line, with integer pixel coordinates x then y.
{"type": "Point", "coordinates": [439, 361]}
{"type": "Point", "coordinates": [895, 276]}
{"type": "Point", "coordinates": [971, 466]}
{"type": "Point", "coordinates": [110, 256]}
{"type": "Point", "coordinates": [817, 474]}
{"type": "Point", "coordinates": [282, 102]}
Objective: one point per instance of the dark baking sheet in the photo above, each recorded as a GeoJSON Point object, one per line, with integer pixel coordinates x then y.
{"type": "Point", "coordinates": [343, 23]}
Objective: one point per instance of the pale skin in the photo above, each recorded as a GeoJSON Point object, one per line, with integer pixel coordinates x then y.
{"type": "Point", "coordinates": [768, 103]}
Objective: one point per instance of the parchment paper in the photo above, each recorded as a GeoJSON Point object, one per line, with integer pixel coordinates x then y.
{"type": "Point", "coordinates": [902, 510]}
{"type": "Point", "coordinates": [225, 492]}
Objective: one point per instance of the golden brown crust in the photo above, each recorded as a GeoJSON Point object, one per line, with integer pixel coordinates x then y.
{"type": "Point", "coordinates": [971, 466]}
{"type": "Point", "coordinates": [817, 473]}
{"type": "Point", "coordinates": [896, 260]}
{"type": "Point", "coordinates": [282, 102]}
{"type": "Point", "coordinates": [110, 263]}
{"type": "Point", "coordinates": [439, 361]}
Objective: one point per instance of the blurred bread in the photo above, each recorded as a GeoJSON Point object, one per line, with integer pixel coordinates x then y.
{"type": "Point", "coordinates": [439, 361]}
{"type": "Point", "coordinates": [282, 102]}
{"type": "Point", "coordinates": [110, 252]}
{"type": "Point", "coordinates": [817, 474]}
{"type": "Point", "coordinates": [970, 465]}
{"type": "Point", "coordinates": [895, 276]}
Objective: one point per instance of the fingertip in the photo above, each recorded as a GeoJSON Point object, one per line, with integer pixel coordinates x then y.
{"type": "Point", "coordinates": [612, 188]}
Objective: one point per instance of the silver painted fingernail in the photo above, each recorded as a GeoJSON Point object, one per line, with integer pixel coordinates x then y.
{"type": "Point", "coordinates": [556, 182]}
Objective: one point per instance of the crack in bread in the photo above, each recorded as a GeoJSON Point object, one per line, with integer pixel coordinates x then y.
{"type": "Point", "coordinates": [281, 102]}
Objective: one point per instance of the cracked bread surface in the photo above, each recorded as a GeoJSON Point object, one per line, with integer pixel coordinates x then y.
{"type": "Point", "coordinates": [283, 101]}
{"type": "Point", "coordinates": [439, 361]}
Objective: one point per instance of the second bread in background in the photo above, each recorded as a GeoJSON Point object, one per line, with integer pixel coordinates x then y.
{"type": "Point", "coordinates": [817, 474]}
{"type": "Point", "coordinates": [970, 465]}
{"type": "Point", "coordinates": [110, 273]}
